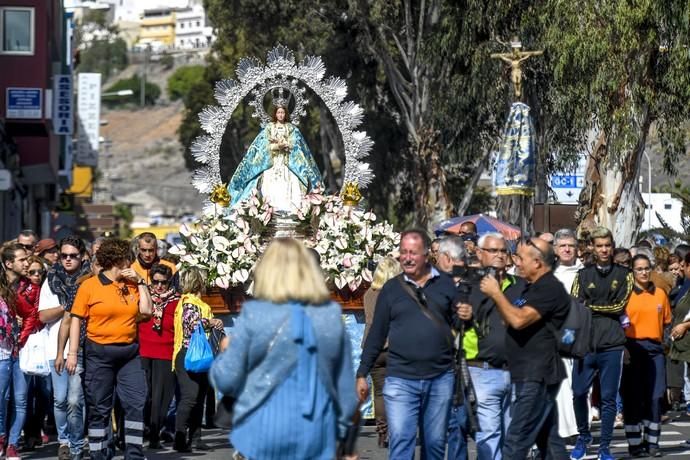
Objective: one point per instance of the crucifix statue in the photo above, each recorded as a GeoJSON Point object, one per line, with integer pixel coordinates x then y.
{"type": "Point", "coordinates": [515, 59]}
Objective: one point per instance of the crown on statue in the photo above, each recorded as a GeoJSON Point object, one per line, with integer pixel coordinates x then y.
{"type": "Point", "coordinates": [351, 194]}
{"type": "Point", "coordinates": [280, 100]}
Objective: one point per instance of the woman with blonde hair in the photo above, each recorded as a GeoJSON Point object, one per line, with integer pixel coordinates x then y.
{"type": "Point", "coordinates": [288, 364]}
{"type": "Point", "coordinates": [190, 312]}
{"type": "Point", "coordinates": [386, 269]}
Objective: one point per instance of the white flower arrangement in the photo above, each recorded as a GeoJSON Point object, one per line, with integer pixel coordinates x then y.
{"type": "Point", "coordinates": [348, 240]}
{"type": "Point", "coordinates": [226, 242]}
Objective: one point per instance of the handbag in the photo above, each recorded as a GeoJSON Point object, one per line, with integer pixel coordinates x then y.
{"type": "Point", "coordinates": [199, 354]}
{"type": "Point", "coordinates": [33, 357]}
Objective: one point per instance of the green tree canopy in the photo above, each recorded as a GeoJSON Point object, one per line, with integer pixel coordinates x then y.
{"type": "Point", "coordinates": [183, 80]}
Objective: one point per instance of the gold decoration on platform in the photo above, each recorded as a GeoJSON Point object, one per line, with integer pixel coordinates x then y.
{"type": "Point", "coordinates": [351, 194]}
{"type": "Point", "coordinates": [220, 196]}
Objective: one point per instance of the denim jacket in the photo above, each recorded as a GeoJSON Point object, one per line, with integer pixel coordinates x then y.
{"type": "Point", "coordinates": [264, 350]}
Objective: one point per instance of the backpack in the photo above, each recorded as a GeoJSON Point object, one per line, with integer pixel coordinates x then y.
{"type": "Point", "coordinates": [574, 338]}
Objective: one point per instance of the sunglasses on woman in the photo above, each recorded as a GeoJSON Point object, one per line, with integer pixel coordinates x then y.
{"type": "Point", "coordinates": [159, 282]}
{"type": "Point", "coordinates": [36, 272]}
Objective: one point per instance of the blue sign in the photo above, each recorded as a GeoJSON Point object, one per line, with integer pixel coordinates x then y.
{"type": "Point", "coordinates": [569, 181]}
{"type": "Point", "coordinates": [62, 105]}
{"type": "Point", "coordinates": [25, 103]}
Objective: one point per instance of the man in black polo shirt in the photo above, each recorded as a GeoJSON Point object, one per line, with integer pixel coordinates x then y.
{"type": "Point", "coordinates": [415, 312]}
{"type": "Point", "coordinates": [487, 363]}
{"type": "Point", "coordinates": [536, 369]}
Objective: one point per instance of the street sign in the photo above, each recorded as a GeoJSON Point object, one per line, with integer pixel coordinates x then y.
{"type": "Point", "coordinates": [62, 104]}
{"type": "Point", "coordinates": [567, 185]}
{"type": "Point", "coordinates": [89, 116]}
{"type": "Point", "coordinates": [24, 103]}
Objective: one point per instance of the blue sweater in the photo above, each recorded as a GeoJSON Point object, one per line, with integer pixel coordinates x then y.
{"type": "Point", "coordinates": [289, 362]}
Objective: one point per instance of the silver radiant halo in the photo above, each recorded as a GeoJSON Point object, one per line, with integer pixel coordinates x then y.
{"type": "Point", "coordinates": [281, 70]}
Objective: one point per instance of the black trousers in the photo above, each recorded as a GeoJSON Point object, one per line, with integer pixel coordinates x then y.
{"type": "Point", "coordinates": [160, 381]}
{"type": "Point", "coordinates": [110, 368]}
{"type": "Point", "coordinates": [193, 387]}
{"type": "Point", "coordinates": [643, 386]}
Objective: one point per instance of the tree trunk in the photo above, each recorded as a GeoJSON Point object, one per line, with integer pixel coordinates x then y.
{"type": "Point", "coordinates": [472, 184]}
{"type": "Point", "coordinates": [611, 197]}
{"type": "Point", "coordinates": [516, 210]}
{"type": "Point", "coordinates": [432, 204]}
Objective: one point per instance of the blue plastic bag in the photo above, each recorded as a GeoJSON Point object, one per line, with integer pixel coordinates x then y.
{"type": "Point", "coordinates": [199, 354]}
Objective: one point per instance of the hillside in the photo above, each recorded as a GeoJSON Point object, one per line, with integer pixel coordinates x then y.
{"type": "Point", "coordinates": [144, 164]}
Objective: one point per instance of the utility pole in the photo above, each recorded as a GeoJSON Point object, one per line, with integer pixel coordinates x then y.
{"type": "Point", "coordinates": [142, 90]}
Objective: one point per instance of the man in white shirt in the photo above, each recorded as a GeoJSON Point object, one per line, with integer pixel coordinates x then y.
{"type": "Point", "coordinates": [565, 246]}
{"type": "Point", "coordinates": [57, 294]}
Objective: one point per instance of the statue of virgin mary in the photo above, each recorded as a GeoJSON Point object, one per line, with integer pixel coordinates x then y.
{"type": "Point", "coordinates": [278, 164]}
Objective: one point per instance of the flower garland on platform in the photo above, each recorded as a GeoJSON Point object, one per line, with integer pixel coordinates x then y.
{"type": "Point", "coordinates": [226, 242]}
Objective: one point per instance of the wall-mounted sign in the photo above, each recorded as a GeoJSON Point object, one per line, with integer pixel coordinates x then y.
{"type": "Point", "coordinates": [62, 104]}
{"type": "Point", "coordinates": [89, 117]}
{"type": "Point", "coordinates": [24, 103]}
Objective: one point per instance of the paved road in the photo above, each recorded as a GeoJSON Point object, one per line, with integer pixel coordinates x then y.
{"type": "Point", "coordinates": [673, 436]}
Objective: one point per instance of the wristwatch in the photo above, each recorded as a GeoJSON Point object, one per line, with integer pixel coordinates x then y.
{"type": "Point", "coordinates": [141, 282]}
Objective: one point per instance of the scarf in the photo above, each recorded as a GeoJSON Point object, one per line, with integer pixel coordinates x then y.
{"type": "Point", "coordinates": [204, 310]}
{"type": "Point", "coordinates": [146, 266]}
{"type": "Point", "coordinates": [65, 285]}
{"type": "Point", "coordinates": [160, 301]}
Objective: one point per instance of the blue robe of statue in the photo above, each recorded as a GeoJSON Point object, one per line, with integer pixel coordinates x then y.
{"type": "Point", "coordinates": [259, 159]}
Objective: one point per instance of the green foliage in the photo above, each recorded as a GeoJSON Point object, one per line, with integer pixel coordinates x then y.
{"type": "Point", "coordinates": [106, 57]}
{"type": "Point", "coordinates": [152, 92]}
{"type": "Point", "coordinates": [602, 72]}
{"type": "Point", "coordinates": [183, 79]}
{"type": "Point", "coordinates": [167, 61]}
{"type": "Point", "coordinates": [125, 217]}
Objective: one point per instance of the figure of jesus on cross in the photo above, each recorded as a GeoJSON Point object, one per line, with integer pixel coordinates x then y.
{"type": "Point", "coordinates": [515, 59]}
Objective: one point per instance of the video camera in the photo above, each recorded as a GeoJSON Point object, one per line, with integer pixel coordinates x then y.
{"type": "Point", "coordinates": [469, 276]}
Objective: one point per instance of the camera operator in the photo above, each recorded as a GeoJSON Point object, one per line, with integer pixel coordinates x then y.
{"type": "Point", "coordinates": [451, 257]}
{"type": "Point", "coordinates": [488, 364]}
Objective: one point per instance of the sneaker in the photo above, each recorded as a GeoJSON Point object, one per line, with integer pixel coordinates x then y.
{"type": "Point", "coordinates": [618, 423]}
{"type": "Point", "coordinates": [63, 452]}
{"type": "Point", "coordinates": [605, 454]}
{"type": "Point", "coordinates": [654, 451]}
{"type": "Point", "coordinates": [580, 449]}
{"type": "Point", "coordinates": [637, 452]}
{"type": "Point", "coordinates": [12, 453]}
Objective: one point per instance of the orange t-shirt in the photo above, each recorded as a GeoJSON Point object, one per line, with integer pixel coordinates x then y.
{"type": "Point", "coordinates": [110, 309]}
{"type": "Point", "coordinates": [144, 273]}
{"type": "Point", "coordinates": [649, 311]}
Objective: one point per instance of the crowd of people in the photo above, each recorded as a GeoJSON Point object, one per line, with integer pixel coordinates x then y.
{"type": "Point", "coordinates": [462, 340]}
{"type": "Point", "coordinates": [113, 320]}
{"type": "Point", "coordinates": [490, 312]}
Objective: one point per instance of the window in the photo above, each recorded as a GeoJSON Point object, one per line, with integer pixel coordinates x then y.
{"type": "Point", "coordinates": [198, 23]}
{"type": "Point", "coordinates": [17, 30]}
{"type": "Point", "coordinates": [182, 25]}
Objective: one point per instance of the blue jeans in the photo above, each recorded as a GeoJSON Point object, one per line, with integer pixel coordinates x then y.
{"type": "Point", "coordinates": [458, 431]}
{"type": "Point", "coordinates": [493, 410]}
{"type": "Point", "coordinates": [535, 421]}
{"type": "Point", "coordinates": [68, 407]}
{"type": "Point", "coordinates": [423, 402]}
{"type": "Point", "coordinates": [11, 374]}
{"type": "Point", "coordinates": [609, 364]}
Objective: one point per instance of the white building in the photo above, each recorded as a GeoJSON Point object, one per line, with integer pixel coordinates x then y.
{"type": "Point", "coordinates": [133, 10]}
{"type": "Point", "coordinates": [190, 28]}
{"type": "Point", "coordinates": [669, 208]}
